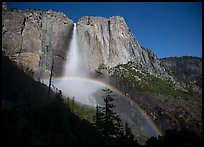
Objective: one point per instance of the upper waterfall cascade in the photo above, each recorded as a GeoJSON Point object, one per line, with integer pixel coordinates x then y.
{"type": "Point", "coordinates": [75, 64]}
{"type": "Point", "coordinates": [75, 70]}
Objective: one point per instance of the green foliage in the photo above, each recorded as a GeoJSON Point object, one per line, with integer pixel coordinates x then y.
{"type": "Point", "coordinates": [135, 79]}
{"type": "Point", "coordinates": [180, 108]}
{"type": "Point", "coordinates": [82, 111]}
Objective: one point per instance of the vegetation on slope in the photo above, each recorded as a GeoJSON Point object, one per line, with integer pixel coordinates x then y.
{"type": "Point", "coordinates": [187, 70]}
{"type": "Point", "coordinates": [142, 81]}
{"type": "Point", "coordinates": [82, 111]}
{"type": "Point", "coordinates": [160, 98]}
{"type": "Point", "coordinates": [28, 117]}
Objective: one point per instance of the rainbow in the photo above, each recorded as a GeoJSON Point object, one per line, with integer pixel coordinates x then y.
{"type": "Point", "coordinates": [149, 120]}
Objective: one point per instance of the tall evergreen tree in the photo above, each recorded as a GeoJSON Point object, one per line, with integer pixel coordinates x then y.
{"type": "Point", "coordinates": [110, 125]}
{"type": "Point", "coordinates": [129, 137]}
{"type": "Point", "coordinates": [50, 81]}
{"type": "Point", "coordinates": [108, 122]}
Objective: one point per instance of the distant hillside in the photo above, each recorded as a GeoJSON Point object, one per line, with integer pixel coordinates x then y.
{"type": "Point", "coordinates": [186, 69]}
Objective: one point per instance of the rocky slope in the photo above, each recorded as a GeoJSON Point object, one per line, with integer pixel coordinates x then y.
{"type": "Point", "coordinates": [187, 70]}
{"type": "Point", "coordinates": [110, 42]}
{"type": "Point", "coordinates": [33, 38]}
{"type": "Point", "coordinates": [138, 72]}
{"type": "Point", "coordinates": [169, 107]}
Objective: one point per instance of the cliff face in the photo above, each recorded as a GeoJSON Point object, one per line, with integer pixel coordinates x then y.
{"type": "Point", "coordinates": [186, 69]}
{"type": "Point", "coordinates": [110, 42]}
{"type": "Point", "coordinates": [33, 38]}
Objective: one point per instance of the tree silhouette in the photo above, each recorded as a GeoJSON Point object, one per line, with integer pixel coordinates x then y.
{"type": "Point", "coordinates": [98, 117]}
{"type": "Point", "coordinates": [175, 137]}
{"type": "Point", "coordinates": [109, 123]}
{"type": "Point", "coordinates": [129, 135]}
{"type": "Point", "coordinates": [50, 80]}
{"type": "Point", "coordinates": [27, 118]}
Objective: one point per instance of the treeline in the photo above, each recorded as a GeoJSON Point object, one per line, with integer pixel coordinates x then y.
{"type": "Point", "coordinates": [28, 117]}
{"type": "Point", "coordinates": [174, 137]}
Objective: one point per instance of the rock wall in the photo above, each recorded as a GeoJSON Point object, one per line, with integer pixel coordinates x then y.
{"type": "Point", "coordinates": [109, 42]}
{"type": "Point", "coordinates": [186, 69]}
{"type": "Point", "coordinates": [34, 38]}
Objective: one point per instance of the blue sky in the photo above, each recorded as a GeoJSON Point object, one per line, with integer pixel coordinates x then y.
{"type": "Point", "coordinates": [168, 28]}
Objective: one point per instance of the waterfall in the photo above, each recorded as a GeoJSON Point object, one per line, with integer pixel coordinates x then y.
{"type": "Point", "coordinates": [76, 69]}
{"type": "Point", "coordinates": [77, 82]}
{"type": "Point", "coordinates": [75, 64]}
{"type": "Point", "coordinates": [72, 64]}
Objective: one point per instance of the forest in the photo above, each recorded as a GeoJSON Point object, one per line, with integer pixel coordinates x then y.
{"type": "Point", "coordinates": [30, 118]}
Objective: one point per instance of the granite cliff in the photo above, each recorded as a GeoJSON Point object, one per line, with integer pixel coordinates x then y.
{"type": "Point", "coordinates": [110, 42]}
{"type": "Point", "coordinates": [34, 38]}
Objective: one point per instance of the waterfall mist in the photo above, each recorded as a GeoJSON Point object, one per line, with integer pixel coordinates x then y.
{"type": "Point", "coordinates": [76, 63]}
{"type": "Point", "coordinates": [77, 83]}
{"type": "Point", "coordinates": [76, 67]}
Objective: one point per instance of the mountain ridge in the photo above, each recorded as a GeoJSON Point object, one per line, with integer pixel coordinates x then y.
{"type": "Point", "coordinates": [107, 41]}
{"type": "Point", "coordinates": [113, 51]}
{"type": "Point", "coordinates": [187, 69]}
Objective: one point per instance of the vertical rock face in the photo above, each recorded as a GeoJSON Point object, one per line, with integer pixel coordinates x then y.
{"type": "Point", "coordinates": [105, 39]}
{"type": "Point", "coordinates": [34, 38]}
{"type": "Point", "coordinates": [110, 42]}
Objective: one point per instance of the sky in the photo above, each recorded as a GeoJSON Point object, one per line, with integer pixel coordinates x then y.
{"type": "Point", "coordinates": [167, 28]}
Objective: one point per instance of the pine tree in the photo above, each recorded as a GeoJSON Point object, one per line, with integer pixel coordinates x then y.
{"type": "Point", "coordinates": [97, 116]}
{"type": "Point", "coordinates": [110, 125]}
{"type": "Point", "coordinates": [50, 81]}
{"type": "Point", "coordinates": [129, 137]}
{"type": "Point", "coordinates": [108, 122]}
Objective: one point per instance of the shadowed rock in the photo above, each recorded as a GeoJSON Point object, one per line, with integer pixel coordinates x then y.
{"type": "Point", "coordinates": [34, 38]}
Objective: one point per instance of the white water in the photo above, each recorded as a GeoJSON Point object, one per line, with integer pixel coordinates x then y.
{"type": "Point", "coordinates": [83, 90]}
{"type": "Point", "coordinates": [76, 66]}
